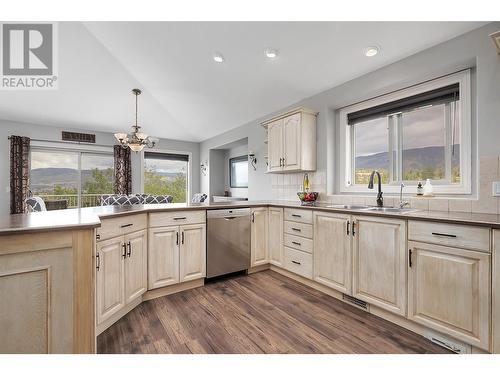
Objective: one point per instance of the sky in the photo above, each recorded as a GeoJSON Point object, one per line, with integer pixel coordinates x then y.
{"type": "Point", "coordinates": [44, 159]}
{"type": "Point", "coordinates": [421, 128]}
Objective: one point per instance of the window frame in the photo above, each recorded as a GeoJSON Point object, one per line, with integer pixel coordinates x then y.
{"type": "Point", "coordinates": [70, 148]}
{"type": "Point", "coordinates": [237, 159]}
{"type": "Point", "coordinates": [346, 145]}
{"type": "Point", "coordinates": [167, 151]}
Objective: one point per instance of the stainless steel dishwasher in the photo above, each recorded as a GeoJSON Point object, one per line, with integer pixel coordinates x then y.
{"type": "Point", "coordinates": [228, 241]}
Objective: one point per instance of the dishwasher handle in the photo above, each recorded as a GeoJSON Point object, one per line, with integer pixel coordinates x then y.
{"type": "Point", "coordinates": [230, 217]}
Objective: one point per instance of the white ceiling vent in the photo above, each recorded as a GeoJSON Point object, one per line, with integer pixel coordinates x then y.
{"type": "Point", "coordinates": [496, 40]}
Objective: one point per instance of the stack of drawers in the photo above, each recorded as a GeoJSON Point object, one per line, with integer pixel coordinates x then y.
{"type": "Point", "coordinates": [298, 241]}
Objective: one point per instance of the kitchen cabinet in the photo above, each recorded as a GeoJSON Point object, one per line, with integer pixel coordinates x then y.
{"type": "Point", "coordinates": [379, 262]}
{"type": "Point", "coordinates": [449, 291]}
{"type": "Point", "coordinates": [259, 249]}
{"type": "Point", "coordinates": [276, 236]}
{"type": "Point", "coordinates": [176, 254]}
{"type": "Point", "coordinates": [136, 266]}
{"type": "Point", "coordinates": [291, 141]}
{"type": "Point", "coordinates": [163, 257]}
{"type": "Point", "coordinates": [192, 258]}
{"type": "Point", "coordinates": [110, 277]}
{"type": "Point", "coordinates": [332, 251]}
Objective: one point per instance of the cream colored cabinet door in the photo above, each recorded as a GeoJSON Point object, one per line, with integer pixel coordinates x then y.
{"type": "Point", "coordinates": [136, 266]}
{"type": "Point", "coordinates": [379, 262]}
{"type": "Point", "coordinates": [449, 291]}
{"type": "Point", "coordinates": [291, 142]}
{"type": "Point", "coordinates": [193, 252]}
{"type": "Point", "coordinates": [163, 256]}
{"type": "Point", "coordinates": [275, 146]}
{"type": "Point", "coordinates": [110, 277]}
{"type": "Point", "coordinates": [332, 251]}
{"type": "Point", "coordinates": [276, 236]}
{"type": "Point", "coordinates": [259, 235]}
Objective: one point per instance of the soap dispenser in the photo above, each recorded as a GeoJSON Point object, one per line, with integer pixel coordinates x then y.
{"type": "Point", "coordinates": [428, 188]}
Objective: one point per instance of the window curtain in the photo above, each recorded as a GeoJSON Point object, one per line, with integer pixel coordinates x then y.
{"type": "Point", "coordinates": [19, 173]}
{"type": "Point", "coordinates": [123, 170]}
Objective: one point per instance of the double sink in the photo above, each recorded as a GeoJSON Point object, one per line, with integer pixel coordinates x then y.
{"type": "Point", "coordinates": [373, 208]}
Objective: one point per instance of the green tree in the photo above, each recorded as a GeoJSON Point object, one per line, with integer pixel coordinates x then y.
{"type": "Point", "coordinates": [100, 182]}
{"type": "Point", "coordinates": [64, 190]}
{"type": "Point", "coordinates": [157, 184]}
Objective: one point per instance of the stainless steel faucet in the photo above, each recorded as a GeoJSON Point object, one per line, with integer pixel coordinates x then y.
{"type": "Point", "coordinates": [402, 203]}
{"type": "Point", "coordinates": [380, 200]}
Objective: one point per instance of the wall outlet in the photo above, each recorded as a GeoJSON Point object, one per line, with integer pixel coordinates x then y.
{"type": "Point", "coordinates": [496, 188]}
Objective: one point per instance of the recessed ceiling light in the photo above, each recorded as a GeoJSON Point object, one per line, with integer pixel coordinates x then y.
{"type": "Point", "coordinates": [218, 58]}
{"type": "Point", "coordinates": [371, 51]}
{"type": "Point", "coordinates": [271, 53]}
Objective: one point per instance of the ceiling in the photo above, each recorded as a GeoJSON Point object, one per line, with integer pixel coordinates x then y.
{"type": "Point", "coordinates": [186, 95]}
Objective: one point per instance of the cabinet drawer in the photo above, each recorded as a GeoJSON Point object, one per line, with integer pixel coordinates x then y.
{"type": "Point", "coordinates": [299, 229]}
{"type": "Point", "coordinates": [165, 219]}
{"type": "Point", "coordinates": [298, 215]}
{"type": "Point", "coordinates": [299, 243]}
{"type": "Point", "coordinates": [119, 226]}
{"type": "Point", "coordinates": [298, 262]}
{"type": "Point", "coordinates": [462, 236]}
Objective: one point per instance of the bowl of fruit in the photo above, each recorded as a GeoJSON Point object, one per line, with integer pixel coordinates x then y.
{"type": "Point", "coordinates": [307, 198]}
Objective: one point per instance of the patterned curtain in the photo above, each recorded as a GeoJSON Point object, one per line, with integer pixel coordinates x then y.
{"type": "Point", "coordinates": [19, 173]}
{"type": "Point", "coordinates": [123, 170]}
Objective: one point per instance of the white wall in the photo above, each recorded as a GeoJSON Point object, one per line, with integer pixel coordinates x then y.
{"type": "Point", "coordinates": [41, 132]}
{"type": "Point", "coordinates": [471, 50]}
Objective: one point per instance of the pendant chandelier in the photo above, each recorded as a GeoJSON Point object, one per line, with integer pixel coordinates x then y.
{"type": "Point", "coordinates": [136, 140]}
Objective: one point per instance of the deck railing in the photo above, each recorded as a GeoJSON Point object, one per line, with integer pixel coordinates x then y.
{"type": "Point", "coordinates": [87, 200]}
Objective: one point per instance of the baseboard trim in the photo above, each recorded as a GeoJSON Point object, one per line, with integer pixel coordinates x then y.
{"type": "Point", "coordinates": [171, 289]}
{"type": "Point", "coordinates": [116, 317]}
{"type": "Point", "coordinates": [260, 268]}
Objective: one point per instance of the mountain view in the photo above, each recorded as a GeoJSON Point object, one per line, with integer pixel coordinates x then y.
{"type": "Point", "coordinates": [418, 164]}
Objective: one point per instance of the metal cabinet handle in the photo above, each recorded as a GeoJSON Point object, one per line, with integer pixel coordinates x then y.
{"type": "Point", "coordinates": [293, 261]}
{"type": "Point", "coordinates": [129, 249]}
{"type": "Point", "coordinates": [97, 236]}
{"type": "Point", "coordinates": [296, 243]}
{"type": "Point", "coordinates": [180, 218]}
{"type": "Point", "coordinates": [124, 247]}
{"type": "Point", "coordinates": [296, 215]}
{"type": "Point", "coordinates": [97, 262]}
{"type": "Point", "coordinates": [409, 258]}
{"type": "Point", "coordinates": [444, 235]}
{"type": "Point", "coordinates": [182, 238]}
{"type": "Point", "coordinates": [176, 238]}
{"type": "Point", "coordinates": [353, 225]}
{"type": "Point", "coordinates": [127, 225]}
{"type": "Point", "coordinates": [253, 217]}
{"type": "Point", "coordinates": [348, 227]}
{"type": "Point", "coordinates": [297, 229]}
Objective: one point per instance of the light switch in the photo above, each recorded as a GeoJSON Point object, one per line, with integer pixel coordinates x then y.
{"type": "Point", "coordinates": [496, 188]}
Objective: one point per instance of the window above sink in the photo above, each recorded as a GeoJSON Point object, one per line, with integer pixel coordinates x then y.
{"type": "Point", "coordinates": [410, 135]}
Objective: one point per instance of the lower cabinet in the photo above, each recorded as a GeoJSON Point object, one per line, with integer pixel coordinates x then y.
{"type": "Point", "coordinates": [176, 254]}
{"type": "Point", "coordinates": [163, 257]}
{"type": "Point", "coordinates": [259, 249]}
{"type": "Point", "coordinates": [121, 273]}
{"type": "Point", "coordinates": [449, 291]}
{"type": "Point", "coordinates": [193, 252]}
{"type": "Point", "coordinates": [379, 262]}
{"type": "Point", "coordinates": [332, 251]}
{"type": "Point", "coordinates": [276, 236]}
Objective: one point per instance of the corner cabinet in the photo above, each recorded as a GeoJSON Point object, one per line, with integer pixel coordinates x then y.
{"type": "Point", "coordinates": [291, 141]}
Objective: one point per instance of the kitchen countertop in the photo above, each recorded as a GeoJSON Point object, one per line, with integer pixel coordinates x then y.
{"type": "Point", "coordinates": [91, 217]}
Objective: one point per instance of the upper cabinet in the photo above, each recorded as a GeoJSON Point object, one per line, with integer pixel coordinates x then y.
{"type": "Point", "coordinates": [291, 141]}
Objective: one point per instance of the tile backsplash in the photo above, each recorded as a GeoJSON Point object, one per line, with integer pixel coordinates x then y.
{"type": "Point", "coordinates": [285, 187]}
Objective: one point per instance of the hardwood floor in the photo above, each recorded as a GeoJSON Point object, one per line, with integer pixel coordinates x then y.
{"type": "Point", "coordinates": [261, 313]}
